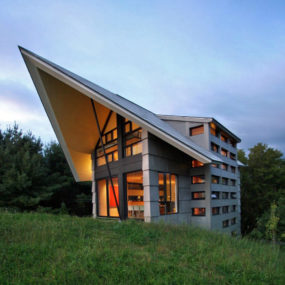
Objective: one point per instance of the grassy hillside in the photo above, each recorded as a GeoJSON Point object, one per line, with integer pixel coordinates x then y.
{"type": "Point", "coordinates": [50, 249]}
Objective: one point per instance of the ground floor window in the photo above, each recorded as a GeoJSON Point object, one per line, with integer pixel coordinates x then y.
{"type": "Point", "coordinates": [106, 200]}
{"type": "Point", "coordinates": [135, 193]}
{"type": "Point", "coordinates": [167, 193]}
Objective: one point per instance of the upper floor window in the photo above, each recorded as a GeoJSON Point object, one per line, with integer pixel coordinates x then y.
{"type": "Point", "coordinates": [215, 211]}
{"type": "Point", "coordinates": [213, 130]}
{"type": "Point", "coordinates": [110, 142]}
{"type": "Point", "coordinates": [233, 221]}
{"type": "Point", "coordinates": [233, 143]}
{"type": "Point", "coordinates": [233, 195]}
{"type": "Point", "coordinates": [233, 169]}
{"type": "Point", "coordinates": [215, 195]}
{"type": "Point", "coordinates": [225, 181]}
{"type": "Point", "coordinates": [168, 202]}
{"type": "Point", "coordinates": [196, 130]}
{"type": "Point", "coordinates": [214, 147]}
{"type": "Point", "coordinates": [198, 179]}
{"type": "Point", "coordinates": [224, 166]}
{"type": "Point", "coordinates": [224, 138]}
{"type": "Point", "coordinates": [198, 195]}
{"type": "Point", "coordinates": [225, 209]}
{"type": "Point", "coordinates": [215, 165]}
{"type": "Point", "coordinates": [225, 223]}
{"type": "Point", "coordinates": [215, 179]}
{"type": "Point", "coordinates": [198, 211]}
{"type": "Point", "coordinates": [224, 152]}
{"type": "Point", "coordinates": [232, 156]}
{"type": "Point", "coordinates": [234, 207]}
{"type": "Point", "coordinates": [132, 138]}
{"type": "Point", "coordinates": [197, 163]}
{"type": "Point", "coordinates": [225, 195]}
{"type": "Point", "coordinates": [233, 182]}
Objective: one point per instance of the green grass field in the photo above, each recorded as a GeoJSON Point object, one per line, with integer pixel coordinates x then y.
{"type": "Point", "coordinates": [55, 249]}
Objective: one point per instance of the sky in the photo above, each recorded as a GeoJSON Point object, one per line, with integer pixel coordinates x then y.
{"type": "Point", "coordinates": [221, 59]}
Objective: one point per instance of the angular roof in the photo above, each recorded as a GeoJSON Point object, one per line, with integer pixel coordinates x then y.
{"type": "Point", "coordinates": [46, 75]}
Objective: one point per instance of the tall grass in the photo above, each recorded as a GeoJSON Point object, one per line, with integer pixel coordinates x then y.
{"type": "Point", "coordinates": [56, 249]}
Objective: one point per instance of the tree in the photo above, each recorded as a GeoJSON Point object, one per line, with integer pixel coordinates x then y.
{"type": "Point", "coordinates": [35, 177]}
{"type": "Point", "coordinates": [262, 182]}
{"type": "Point", "coordinates": [22, 170]}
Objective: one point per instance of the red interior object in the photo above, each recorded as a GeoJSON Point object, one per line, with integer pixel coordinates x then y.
{"type": "Point", "coordinates": [112, 202]}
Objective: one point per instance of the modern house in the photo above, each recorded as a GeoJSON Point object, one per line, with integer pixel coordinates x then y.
{"type": "Point", "coordinates": [142, 165]}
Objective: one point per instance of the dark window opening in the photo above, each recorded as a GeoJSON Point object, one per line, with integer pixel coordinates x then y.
{"type": "Point", "coordinates": [225, 181]}
{"type": "Point", "coordinates": [225, 209]}
{"type": "Point", "coordinates": [214, 147]}
{"type": "Point", "coordinates": [215, 211]}
{"type": "Point", "coordinates": [225, 223]}
{"type": "Point", "coordinates": [233, 195]}
{"type": "Point", "coordinates": [215, 195]}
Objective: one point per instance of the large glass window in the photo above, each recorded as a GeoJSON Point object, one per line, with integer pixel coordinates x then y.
{"type": "Point", "coordinates": [167, 193]}
{"type": "Point", "coordinates": [110, 142]}
{"type": "Point", "coordinates": [132, 138]}
{"type": "Point", "coordinates": [135, 193]}
{"type": "Point", "coordinates": [106, 200]}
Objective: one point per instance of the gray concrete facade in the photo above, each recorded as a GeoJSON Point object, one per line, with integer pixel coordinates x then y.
{"type": "Point", "coordinates": [160, 157]}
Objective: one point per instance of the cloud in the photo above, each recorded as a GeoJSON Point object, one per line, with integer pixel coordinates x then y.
{"type": "Point", "coordinates": [22, 105]}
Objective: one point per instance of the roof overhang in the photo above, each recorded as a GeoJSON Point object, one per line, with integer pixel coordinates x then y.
{"type": "Point", "coordinates": [44, 76]}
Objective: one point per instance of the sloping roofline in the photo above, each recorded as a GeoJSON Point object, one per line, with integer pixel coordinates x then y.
{"type": "Point", "coordinates": [199, 120]}
{"type": "Point", "coordinates": [120, 105]}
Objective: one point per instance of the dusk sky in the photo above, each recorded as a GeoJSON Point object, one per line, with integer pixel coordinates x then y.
{"type": "Point", "coordinates": [221, 59]}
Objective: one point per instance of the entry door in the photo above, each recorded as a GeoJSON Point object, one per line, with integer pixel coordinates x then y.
{"type": "Point", "coordinates": [106, 204]}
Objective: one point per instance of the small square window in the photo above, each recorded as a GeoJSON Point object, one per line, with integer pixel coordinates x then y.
{"type": "Point", "coordinates": [198, 211]}
{"type": "Point", "coordinates": [197, 130]}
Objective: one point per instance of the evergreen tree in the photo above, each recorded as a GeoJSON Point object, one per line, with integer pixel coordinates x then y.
{"type": "Point", "coordinates": [262, 182]}
{"type": "Point", "coordinates": [22, 170]}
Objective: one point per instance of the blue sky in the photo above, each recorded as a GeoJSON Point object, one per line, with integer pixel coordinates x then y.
{"type": "Point", "coordinates": [222, 59]}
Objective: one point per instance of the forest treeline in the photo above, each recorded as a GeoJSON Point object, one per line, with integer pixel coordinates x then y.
{"type": "Point", "coordinates": [36, 177]}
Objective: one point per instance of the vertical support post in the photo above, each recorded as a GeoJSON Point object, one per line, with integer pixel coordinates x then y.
{"type": "Point", "coordinates": [106, 158]}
